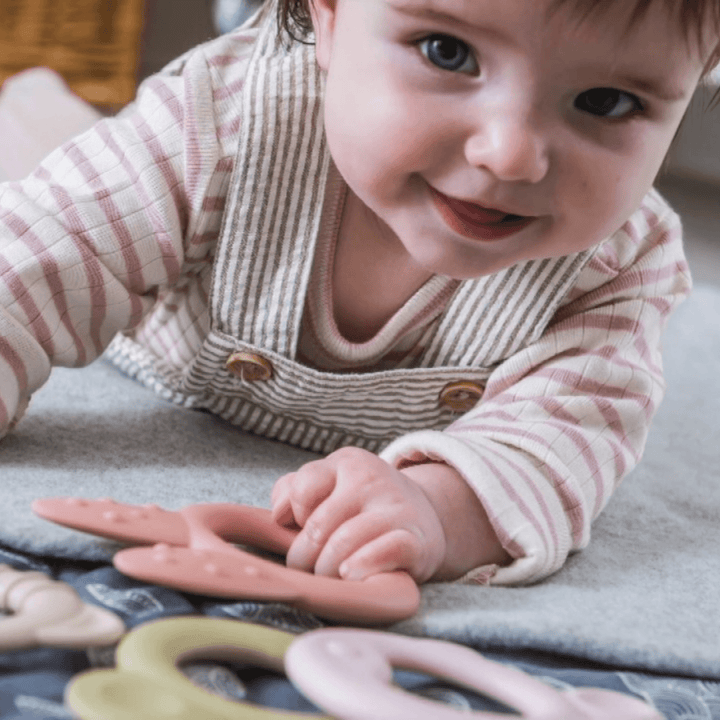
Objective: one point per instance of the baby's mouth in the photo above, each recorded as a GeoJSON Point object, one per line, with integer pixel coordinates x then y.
{"type": "Point", "coordinates": [475, 221]}
{"type": "Point", "coordinates": [479, 214]}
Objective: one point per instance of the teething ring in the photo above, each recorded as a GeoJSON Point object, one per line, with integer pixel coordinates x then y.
{"type": "Point", "coordinates": [147, 683]}
{"type": "Point", "coordinates": [46, 612]}
{"type": "Point", "coordinates": [348, 673]}
{"type": "Point", "coordinates": [191, 552]}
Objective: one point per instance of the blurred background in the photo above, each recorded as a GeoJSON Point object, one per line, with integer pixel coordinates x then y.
{"type": "Point", "coordinates": [124, 41]}
{"type": "Point", "coordinates": [173, 26]}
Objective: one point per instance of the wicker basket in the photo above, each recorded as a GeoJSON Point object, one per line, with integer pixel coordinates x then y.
{"type": "Point", "coordinates": [93, 44]}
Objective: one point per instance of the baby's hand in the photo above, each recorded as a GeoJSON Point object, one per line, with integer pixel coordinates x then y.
{"type": "Point", "coordinates": [359, 516]}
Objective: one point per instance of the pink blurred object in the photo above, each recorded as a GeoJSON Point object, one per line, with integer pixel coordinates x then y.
{"type": "Point", "coordinates": [38, 113]}
{"type": "Point", "coordinates": [49, 613]}
{"type": "Point", "coordinates": [190, 552]}
{"type": "Point", "coordinates": [348, 673]}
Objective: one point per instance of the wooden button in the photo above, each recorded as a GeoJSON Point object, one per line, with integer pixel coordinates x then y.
{"type": "Point", "coordinates": [461, 396]}
{"type": "Point", "coordinates": [249, 366]}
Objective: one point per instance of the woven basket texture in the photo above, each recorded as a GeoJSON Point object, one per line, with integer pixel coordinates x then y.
{"type": "Point", "coordinates": [93, 44]}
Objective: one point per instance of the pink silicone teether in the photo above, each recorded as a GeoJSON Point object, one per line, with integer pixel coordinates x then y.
{"type": "Point", "coordinates": [191, 552]}
{"type": "Point", "coordinates": [46, 612]}
{"type": "Point", "coordinates": [348, 673]}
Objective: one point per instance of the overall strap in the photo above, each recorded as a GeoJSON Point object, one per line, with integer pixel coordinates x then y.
{"type": "Point", "coordinates": [272, 219]}
{"type": "Point", "coordinates": [267, 240]}
{"type": "Point", "coordinates": [492, 317]}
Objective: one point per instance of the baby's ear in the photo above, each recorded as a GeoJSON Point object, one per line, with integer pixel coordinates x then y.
{"type": "Point", "coordinates": [323, 20]}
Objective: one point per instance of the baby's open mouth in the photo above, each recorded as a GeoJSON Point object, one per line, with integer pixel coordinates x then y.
{"type": "Point", "coordinates": [475, 221]}
{"type": "Point", "coordinates": [479, 214]}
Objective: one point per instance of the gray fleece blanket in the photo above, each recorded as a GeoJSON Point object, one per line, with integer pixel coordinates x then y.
{"type": "Point", "coordinates": [644, 595]}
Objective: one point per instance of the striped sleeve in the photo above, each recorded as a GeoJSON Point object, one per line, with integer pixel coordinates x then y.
{"type": "Point", "coordinates": [89, 240]}
{"type": "Point", "coordinates": [566, 418]}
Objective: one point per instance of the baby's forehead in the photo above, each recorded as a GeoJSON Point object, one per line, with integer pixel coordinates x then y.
{"type": "Point", "coordinates": [686, 12]}
{"type": "Point", "coordinates": [697, 20]}
{"type": "Point", "coordinates": [692, 17]}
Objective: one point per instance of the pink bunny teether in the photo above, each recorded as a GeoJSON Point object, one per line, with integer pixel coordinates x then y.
{"type": "Point", "coordinates": [348, 673]}
{"type": "Point", "coordinates": [190, 551]}
{"type": "Point", "coordinates": [46, 612]}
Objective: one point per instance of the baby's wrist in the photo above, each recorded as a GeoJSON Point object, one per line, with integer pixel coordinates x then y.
{"type": "Point", "coordinates": [470, 539]}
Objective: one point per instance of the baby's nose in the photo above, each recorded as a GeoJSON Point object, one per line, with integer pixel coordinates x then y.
{"type": "Point", "coordinates": [513, 149]}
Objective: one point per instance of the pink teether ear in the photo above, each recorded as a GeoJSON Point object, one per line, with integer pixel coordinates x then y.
{"type": "Point", "coordinates": [133, 524]}
{"type": "Point", "coordinates": [46, 612]}
{"type": "Point", "coordinates": [191, 552]}
{"type": "Point", "coordinates": [348, 673]}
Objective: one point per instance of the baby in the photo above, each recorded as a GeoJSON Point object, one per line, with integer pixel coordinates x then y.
{"type": "Point", "coordinates": [418, 237]}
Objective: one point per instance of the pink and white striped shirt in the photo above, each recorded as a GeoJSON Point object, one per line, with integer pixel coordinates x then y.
{"type": "Point", "coordinates": [120, 229]}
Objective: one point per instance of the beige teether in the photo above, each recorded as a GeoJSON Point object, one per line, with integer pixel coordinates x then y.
{"type": "Point", "coordinates": [147, 683]}
{"type": "Point", "coordinates": [46, 612]}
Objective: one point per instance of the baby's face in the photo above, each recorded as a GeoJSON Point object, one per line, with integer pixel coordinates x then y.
{"type": "Point", "coordinates": [550, 131]}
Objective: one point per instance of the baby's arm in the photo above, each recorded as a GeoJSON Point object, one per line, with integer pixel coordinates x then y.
{"type": "Point", "coordinates": [561, 422]}
{"type": "Point", "coordinates": [360, 516]}
{"type": "Point", "coordinates": [89, 238]}
{"type": "Point", "coordinates": [565, 419]}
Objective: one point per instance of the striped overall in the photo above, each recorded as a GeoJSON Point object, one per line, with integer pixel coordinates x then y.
{"type": "Point", "coordinates": [260, 278]}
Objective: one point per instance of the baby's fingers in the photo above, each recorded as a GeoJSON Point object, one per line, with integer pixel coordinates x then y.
{"type": "Point", "coordinates": [282, 512]}
{"type": "Point", "coordinates": [398, 549]}
{"type": "Point", "coordinates": [349, 537]}
{"type": "Point", "coordinates": [319, 528]}
{"type": "Point", "coordinates": [296, 495]}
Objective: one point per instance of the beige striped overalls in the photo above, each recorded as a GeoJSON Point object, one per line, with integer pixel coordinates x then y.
{"type": "Point", "coordinates": [260, 277]}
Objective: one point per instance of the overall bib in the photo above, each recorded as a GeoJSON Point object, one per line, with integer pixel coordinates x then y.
{"type": "Point", "coordinates": [259, 282]}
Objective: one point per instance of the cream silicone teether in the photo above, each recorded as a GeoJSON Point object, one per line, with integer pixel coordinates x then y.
{"type": "Point", "coordinates": [46, 612]}
{"type": "Point", "coordinates": [148, 685]}
{"type": "Point", "coordinates": [191, 552]}
{"type": "Point", "coordinates": [348, 673]}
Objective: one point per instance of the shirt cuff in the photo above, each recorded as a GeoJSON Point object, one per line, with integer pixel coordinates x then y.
{"type": "Point", "coordinates": [522, 506]}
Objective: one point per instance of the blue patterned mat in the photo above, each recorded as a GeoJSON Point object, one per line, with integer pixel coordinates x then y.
{"type": "Point", "coordinates": [32, 682]}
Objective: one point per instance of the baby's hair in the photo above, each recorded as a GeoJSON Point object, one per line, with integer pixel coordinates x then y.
{"type": "Point", "coordinates": [294, 17]}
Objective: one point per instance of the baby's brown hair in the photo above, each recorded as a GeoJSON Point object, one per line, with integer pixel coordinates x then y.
{"type": "Point", "coordinates": [294, 17]}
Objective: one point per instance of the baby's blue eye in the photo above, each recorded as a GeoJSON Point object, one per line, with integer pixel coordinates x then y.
{"type": "Point", "coordinates": [448, 53]}
{"type": "Point", "coordinates": [608, 103]}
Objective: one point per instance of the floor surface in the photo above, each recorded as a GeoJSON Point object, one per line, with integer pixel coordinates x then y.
{"type": "Point", "coordinates": [699, 206]}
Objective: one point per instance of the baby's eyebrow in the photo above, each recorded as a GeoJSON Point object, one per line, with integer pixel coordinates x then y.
{"type": "Point", "coordinates": [425, 9]}
{"type": "Point", "coordinates": [658, 87]}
